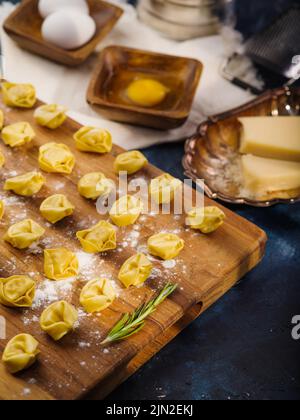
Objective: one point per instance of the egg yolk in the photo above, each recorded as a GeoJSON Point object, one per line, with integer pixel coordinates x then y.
{"type": "Point", "coordinates": [147, 92]}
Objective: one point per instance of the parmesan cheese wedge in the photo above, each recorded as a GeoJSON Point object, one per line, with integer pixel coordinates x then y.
{"type": "Point", "coordinates": [271, 137]}
{"type": "Point", "coordinates": [262, 176]}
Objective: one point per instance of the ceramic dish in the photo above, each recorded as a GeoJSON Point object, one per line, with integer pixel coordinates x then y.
{"type": "Point", "coordinates": [179, 21]}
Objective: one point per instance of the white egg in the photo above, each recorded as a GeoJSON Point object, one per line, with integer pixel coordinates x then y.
{"type": "Point", "coordinates": [47, 7]}
{"type": "Point", "coordinates": [68, 29]}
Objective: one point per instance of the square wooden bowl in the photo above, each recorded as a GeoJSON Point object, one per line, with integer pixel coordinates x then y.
{"type": "Point", "coordinates": [119, 66]}
{"type": "Point", "coordinates": [24, 27]}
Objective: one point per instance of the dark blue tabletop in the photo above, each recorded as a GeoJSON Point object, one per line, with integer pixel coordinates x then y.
{"type": "Point", "coordinates": [242, 347]}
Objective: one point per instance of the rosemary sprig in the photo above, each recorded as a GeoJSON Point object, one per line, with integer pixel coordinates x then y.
{"type": "Point", "coordinates": [131, 324]}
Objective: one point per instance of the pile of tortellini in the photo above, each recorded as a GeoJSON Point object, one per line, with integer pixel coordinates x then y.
{"type": "Point", "coordinates": [18, 291]}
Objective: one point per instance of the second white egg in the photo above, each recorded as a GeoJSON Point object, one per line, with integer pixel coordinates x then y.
{"type": "Point", "coordinates": [68, 29]}
{"type": "Point", "coordinates": [47, 7]}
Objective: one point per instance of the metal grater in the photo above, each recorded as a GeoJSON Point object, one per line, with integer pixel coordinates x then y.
{"type": "Point", "coordinates": [278, 47]}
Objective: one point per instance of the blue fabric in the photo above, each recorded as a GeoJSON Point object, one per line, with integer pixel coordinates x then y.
{"type": "Point", "coordinates": [241, 348]}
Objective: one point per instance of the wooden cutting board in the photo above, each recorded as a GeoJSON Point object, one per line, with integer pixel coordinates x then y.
{"type": "Point", "coordinates": [207, 268]}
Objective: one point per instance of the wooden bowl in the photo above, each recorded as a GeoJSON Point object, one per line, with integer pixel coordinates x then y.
{"type": "Point", "coordinates": [119, 66]}
{"type": "Point", "coordinates": [24, 27]}
{"type": "Point", "coordinates": [212, 154]}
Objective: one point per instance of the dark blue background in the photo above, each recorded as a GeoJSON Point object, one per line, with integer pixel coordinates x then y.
{"type": "Point", "coordinates": [241, 348]}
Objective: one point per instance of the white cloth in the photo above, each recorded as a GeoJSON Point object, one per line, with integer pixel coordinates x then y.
{"type": "Point", "coordinates": [67, 86]}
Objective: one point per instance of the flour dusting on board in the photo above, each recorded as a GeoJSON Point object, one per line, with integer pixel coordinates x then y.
{"type": "Point", "coordinates": [51, 291]}
{"type": "Point", "coordinates": [169, 264]}
{"type": "Point", "coordinates": [88, 265]}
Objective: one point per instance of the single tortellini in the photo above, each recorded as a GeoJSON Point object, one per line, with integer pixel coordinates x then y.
{"type": "Point", "coordinates": [19, 134]}
{"type": "Point", "coordinates": [135, 270]}
{"type": "Point", "coordinates": [23, 234]}
{"type": "Point", "coordinates": [20, 353]}
{"type": "Point", "coordinates": [60, 264]}
{"type": "Point", "coordinates": [2, 209]}
{"type": "Point", "coordinates": [1, 119]}
{"type": "Point", "coordinates": [2, 159]}
{"type": "Point", "coordinates": [100, 238]}
{"type": "Point", "coordinates": [50, 116]}
{"type": "Point", "coordinates": [126, 210]}
{"type": "Point", "coordinates": [95, 185]}
{"type": "Point", "coordinates": [17, 291]}
{"type": "Point", "coordinates": [56, 158]}
{"type": "Point", "coordinates": [165, 245]}
{"type": "Point", "coordinates": [59, 319]}
{"type": "Point", "coordinates": [130, 162]}
{"type": "Point", "coordinates": [163, 188]}
{"type": "Point", "coordinates": [18, 95]}
{"type": "Point", "coordinates": [97, 295]}
{"type": "Point", "coordinates": [207, 219]}
{"type": "Point", "coordinates": [26, 185]}
{"type": "Point", "coordinates": [92, 139]}
{"type": "Point", "coordinates": [56, 208]}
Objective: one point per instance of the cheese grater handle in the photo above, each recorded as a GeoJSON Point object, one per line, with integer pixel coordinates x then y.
{"type": "Point", "coordinates": [236, 81]}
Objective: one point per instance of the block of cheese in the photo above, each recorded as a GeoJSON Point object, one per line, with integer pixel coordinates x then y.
{"type": "Point", "coordinates": [271, 137]}
{"type": "Point", "coordinates": [262, 176]}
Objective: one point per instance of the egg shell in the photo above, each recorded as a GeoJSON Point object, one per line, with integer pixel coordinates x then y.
{"type": "Point", "coordinates": [47, 7]}
{"type": "Point", "coordinates": [68, 29]}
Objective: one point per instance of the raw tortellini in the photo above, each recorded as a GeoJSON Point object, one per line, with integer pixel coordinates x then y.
{"type": "Point", "coordinates": [135, 270]}
{"type": "Point", "coordinates": [50, 116]}
{"type": "Point", "coordinates": [165, 245]}
{"type": "Point", "coordinates": [2, 159]}
{"type": "Point", "coordinates": [1, 119]}
{"type": "Point", "coordinates": [130, 162]}
{"type": "Point", "coordinates": [56, 208]}
{"type": "Point", "coordinates": [20, 353]}
{"type": "Point", "coordinates": [60, 264]}
{"type": "Point", "coordinates": [100, 238]}
{"type": "Point", "coordinates": [25, 185]}
{"type": "Point", "coordinates": [56, 158]}
{"type": "Point", "coordinates": [18, 134]}
{"type": "Point", "coordinates": [23, 234]}
{"type": "Point", "coordinates": [91, 139]}
{"type": "Point", "coordinates": [126, 210]}
{"type": "Point", "coordinates": [17, 291]}
{"type": "Point", "coordinates": [2, 209]}
{"type": "Point", "coordinates": [95, 185]}
{"type": "Point", "coordinates": [207, 219]}
{"type": "Point", "coordinates": [163, 188]}
{"type": "Point", "coordinates": [58, 319]}
{"type": "Point", "coordinates": [18, 95]}
{"type": "Point", "coordinates": [97, 295]}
